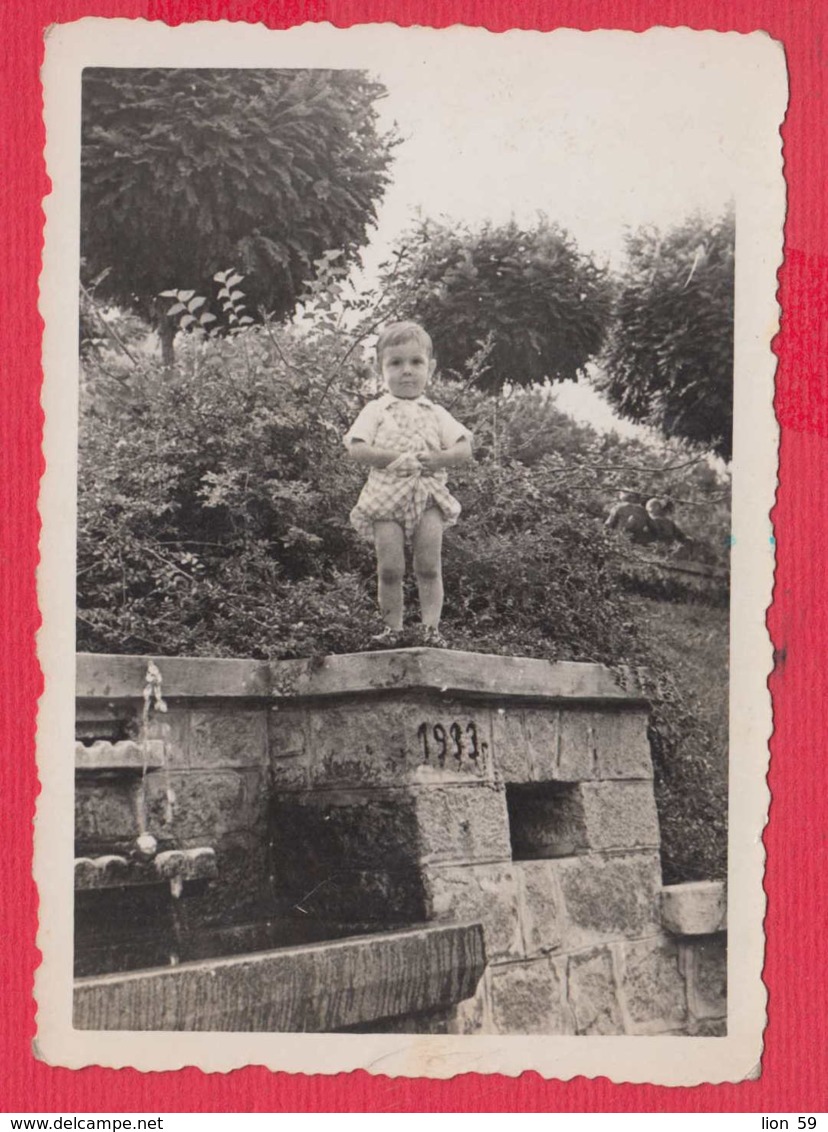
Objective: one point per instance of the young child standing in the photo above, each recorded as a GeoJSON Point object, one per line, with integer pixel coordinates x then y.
{"type": "Point", "coordinates": [408, 442]}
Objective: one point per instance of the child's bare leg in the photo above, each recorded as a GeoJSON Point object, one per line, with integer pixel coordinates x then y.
{"type": "Point", "coordinates": [428, 565]}
{"type": "Point", "coordinates": [389, 541]}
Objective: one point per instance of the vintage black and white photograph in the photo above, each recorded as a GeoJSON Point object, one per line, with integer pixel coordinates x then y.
{"type": "Point", "coordinates": [409, 535]}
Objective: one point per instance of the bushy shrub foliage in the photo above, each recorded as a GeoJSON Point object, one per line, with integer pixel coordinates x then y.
{"type": "Point", "coordinates": [213, 520]}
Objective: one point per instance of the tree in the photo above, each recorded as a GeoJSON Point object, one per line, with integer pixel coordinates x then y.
{"type": "Point", "coordinates": [185, 172]}
{"type": "Point", "coordinates": [545, 305]}
{"type": "Point", "coordinates": [669, 360]}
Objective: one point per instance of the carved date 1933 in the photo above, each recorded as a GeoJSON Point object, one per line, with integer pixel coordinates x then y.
{"type": "Point", "coordinates": [462, 742]}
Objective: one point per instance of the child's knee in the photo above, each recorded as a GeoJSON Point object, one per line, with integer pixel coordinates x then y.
{"type": "Point", "coordinates": [390, 573]}
{"type": "Point", "coordinates": [427, 567]}
{"type": "Point", "coordinates": [390, 554]}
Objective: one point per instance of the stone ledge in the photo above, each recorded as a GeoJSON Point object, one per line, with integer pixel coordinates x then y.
{"type": "Point", "coordinates": [124, 756]}
{"type": "Point", "coordinates": [116, 871]}
{"type": "Point", "coordinates": [311, 989]}
{"type": "Point", "coordinates": [694, 908]}
{"type": "Point", "coordinates": [118, 677]}
{"type": "Point", "coordinates": [445, 671]}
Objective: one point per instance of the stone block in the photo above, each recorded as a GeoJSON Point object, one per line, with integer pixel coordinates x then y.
{"type": "Point", "coordinates": [463, 824]}
{"type": "Point", "coordinates": [228, 737]}
{"type": "Point", "coordinates": [172, 728]}
{"type": "Point", "coordinates": [474, 1014]}
{"type": "Point", "coordinates": [621, 743]}
{"type": "Point", "coordinates": [593, 992]}
{"type": "Point", "coordinates": [205, 804]}
{"type": "Point", "coordinates": [288, 748]}
{"type": "Point", "coordinates": [391, 742]}
{"type": "Point", "coordinates": [509, 746]}
{"type": "Point", "coordinates": [289, 773]}
{"type": "Point", "coordinates": [653, 986]}
{"type": "Point", "coordinates": [610, 743]}
{"type": "Point", "coordinates": [558, 752]}
{"type": "Point", "coordinates": [541, 906]}
{"type": "Point", "coordinates": [484, 893]}
{"type": "Point", "coordinates": [533, 745]}
{"type": "Point", "coordinates": [705, 968]}
{"type": "Point", "coordinates": [620, 815]}
{"type": "Point", "coordinates": [694, 908]}
{"type": "Point", "coordinates": [553, 744]}
{"type": "Point", "coordinates": [394, 828]}
{"type": "Point", "coordinates": [530, 998]}
{"type": "Point", "coordinates": [609, 898]}
{"type": "Point", "coordinates": [287, 732]}
{"type": "Point", "coordinates": [105, 813]}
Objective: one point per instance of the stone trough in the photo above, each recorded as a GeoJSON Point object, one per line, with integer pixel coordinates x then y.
{"type": "Point", "coordinates": [416, 974]}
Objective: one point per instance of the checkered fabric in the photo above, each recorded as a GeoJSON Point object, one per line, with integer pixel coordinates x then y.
{"type": "Point", "coordinates": [401, 495]}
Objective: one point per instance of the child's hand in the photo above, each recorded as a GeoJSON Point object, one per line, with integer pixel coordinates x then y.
{"type": "Point", "coordinates": [431, 461]}
{"type": "Point", "coordinates": [407, 464]}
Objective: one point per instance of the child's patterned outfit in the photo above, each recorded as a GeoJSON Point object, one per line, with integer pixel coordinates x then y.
{"type": "Point", "coordinates": [405, 426]}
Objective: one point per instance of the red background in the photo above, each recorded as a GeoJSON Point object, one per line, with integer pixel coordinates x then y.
{"type": "Point", "coordinates": [794, 1074]}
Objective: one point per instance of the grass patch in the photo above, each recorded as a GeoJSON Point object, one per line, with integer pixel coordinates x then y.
{"type": "Point", "coordinates": [690, 640]}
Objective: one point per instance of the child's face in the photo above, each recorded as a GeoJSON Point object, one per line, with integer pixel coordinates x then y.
{"type": "Point", "coordinates": [406, 368]}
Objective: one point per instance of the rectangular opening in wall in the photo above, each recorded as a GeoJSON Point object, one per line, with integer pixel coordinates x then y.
{"type": "Point", "coordinates": [546, 820]}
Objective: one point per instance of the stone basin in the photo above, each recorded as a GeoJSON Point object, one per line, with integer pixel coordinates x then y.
{"type": "Point", "coordinates": [330, 986]}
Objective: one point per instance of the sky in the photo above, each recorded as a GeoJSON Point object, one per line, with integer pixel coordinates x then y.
{"type": "Point", "coordinates": [601, 133]}
{"type": "Point", "coordinates": [599, 138]}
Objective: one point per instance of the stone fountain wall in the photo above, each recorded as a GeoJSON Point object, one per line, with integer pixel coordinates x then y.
{"type": "Point", "coordinates": [389, 789]}
{"type": "Point", "coordinates": [205, 785]}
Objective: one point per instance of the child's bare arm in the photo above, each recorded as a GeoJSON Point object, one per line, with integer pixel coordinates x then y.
{"type": "Point", "coordinates": [459, 453]}
{"type": "Point", "coordinates": [364, 453]}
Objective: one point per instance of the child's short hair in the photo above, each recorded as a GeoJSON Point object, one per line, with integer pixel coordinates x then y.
{"type": "Point", "coordinates": [398, 332]}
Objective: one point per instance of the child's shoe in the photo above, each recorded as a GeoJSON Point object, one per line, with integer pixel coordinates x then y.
{"type": "Point", "coordinates": [387, 638]}
{"type": "Point", "coordinates": [432, 639]}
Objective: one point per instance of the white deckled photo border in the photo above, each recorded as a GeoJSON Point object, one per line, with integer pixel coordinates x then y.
{"type": "Point", "coordinates": [759, 88]}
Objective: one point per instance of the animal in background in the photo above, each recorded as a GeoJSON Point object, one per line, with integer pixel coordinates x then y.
{"type": "Point", "coordinates": [663, 527]}
{"type": "Point", "coordinates": [644, 522]}
{"type": "Point", "coordinates": [629, 517]}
